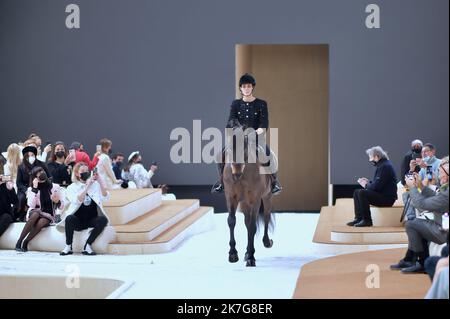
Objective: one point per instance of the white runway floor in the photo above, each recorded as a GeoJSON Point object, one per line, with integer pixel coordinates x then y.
{"type": "Point", "coordinates": [199, 267]}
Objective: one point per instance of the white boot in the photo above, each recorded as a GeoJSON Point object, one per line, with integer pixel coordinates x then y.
{"type": "Point", "coordinates": [88, 250]}
{"type": "Point", "coordinates": [66, 251]}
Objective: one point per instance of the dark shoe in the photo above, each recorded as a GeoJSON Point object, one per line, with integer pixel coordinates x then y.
{"type": "Point", "coordinates": [416, 268]}
{"type": "Point", "coordinates": [364, 223]}
{"type": "Point", "coordinates": [402, 264]}
{"type": "Point", "coordinates": [276, 188]}
{"type": "Point", "coordinates": [354, 222]}
{"type": "Point", "coordinates": [19, 247]}
{"type": "Point", "coordinates": [217, 187]}
{"type": "Point", "coordinates": [88, 250]}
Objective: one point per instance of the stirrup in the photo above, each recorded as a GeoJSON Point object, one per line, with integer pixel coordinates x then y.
{"type": "Point", "coordinates": [217, 188]}
{"type": "Point", "coordinates": [276, 188]}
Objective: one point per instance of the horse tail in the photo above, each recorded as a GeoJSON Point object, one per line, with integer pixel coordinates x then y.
{"type": "Point", "coordinates": [261, 219]}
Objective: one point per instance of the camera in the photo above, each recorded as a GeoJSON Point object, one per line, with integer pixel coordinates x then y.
{"type": "Point", "coordinates": [416, 155]}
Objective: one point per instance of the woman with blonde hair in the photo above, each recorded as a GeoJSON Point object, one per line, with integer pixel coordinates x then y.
{"type": "Point", "coordinates": [13, 160]}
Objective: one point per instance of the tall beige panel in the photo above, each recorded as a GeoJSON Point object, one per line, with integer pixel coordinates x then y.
{"type": "Point", "coordinates": [293, 79]}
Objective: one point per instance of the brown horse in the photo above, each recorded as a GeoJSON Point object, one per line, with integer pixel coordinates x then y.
{"type": "Point", "coordinates": [247, 188]}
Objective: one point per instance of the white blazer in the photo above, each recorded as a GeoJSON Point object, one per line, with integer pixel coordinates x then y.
{"type": "Point", "coordinates": [140, 176]}
{"type": "Point", "coordinates": [72, 192]}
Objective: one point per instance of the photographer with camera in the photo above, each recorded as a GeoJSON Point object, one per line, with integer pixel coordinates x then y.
{"type": "Point", "coordinates": [414, 153]}
{"type": "Point", "coordinates": [8, 202]}
{"type": "Point", "coordinates": [86, 195]}
{"type": "Point", "coordinates": [423, 229]}
{"type": "Point", "coordinates": [427, 165]}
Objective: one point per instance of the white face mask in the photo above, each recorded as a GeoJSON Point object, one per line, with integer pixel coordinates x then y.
{"type": "Point", "coordinates": [31, 160]}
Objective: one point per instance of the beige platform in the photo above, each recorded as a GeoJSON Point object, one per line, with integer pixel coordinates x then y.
{"type": "Point", "coordinates": [127, 204]}
{"type": "Point", "coordinates": [345, 276]}
{"type": "Point", "coordinates": [153, 223]}
{"type": "Point", "coordinates": [199, 221]}
{"type": "Point", "coordinates": [141, 224]}
{"type": "Point", "coordinates": [369, 235]}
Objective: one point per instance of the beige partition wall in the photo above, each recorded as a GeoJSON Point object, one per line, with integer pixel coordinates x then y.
{"type": "Point", "coordinates": [293, 79]}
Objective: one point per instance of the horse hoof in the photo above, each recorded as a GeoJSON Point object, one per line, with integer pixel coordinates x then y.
{"type": "Point", "coordinates": [251, 263]}
{"type": "Point", "coordinates": [269, 244]}
{"type": "Point", "coordinates": [233, 258]}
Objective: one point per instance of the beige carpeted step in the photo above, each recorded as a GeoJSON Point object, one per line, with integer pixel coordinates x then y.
{"type": "Point", "coordinates": [155, 222]}
{"type": "Point", "coordinates": [356, 276]}
{"type": "Point", "coordinates": [127, 204]}
{"type": "Point", "coordinates": [198, 221]}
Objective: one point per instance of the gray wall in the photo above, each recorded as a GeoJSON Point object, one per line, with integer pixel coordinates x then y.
{"type": "Point", "coordinates": [137, 69]}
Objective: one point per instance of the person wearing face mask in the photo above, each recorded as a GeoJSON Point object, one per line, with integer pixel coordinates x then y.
{"type": "Point", "coordinates": [414, 153]}
{"type": "Point", "coordinates": [45, 200]}
{"type": "Point", "coordinates": [59, 166]}
{"type": "Point", "coordinates": [86, 195]}
{"type": "Point", "coordinates": [136, 173]}
{"type": "Point", "coordinates": [117, 164]}
{"type": "Point", "coordinates": [381, 191]}
{"type": "Point", "coordinates": [421, 231]}
{"type": "Point", "coordinates": [29, 162]}
{"type": "Point", "coordinates": [429, 164]}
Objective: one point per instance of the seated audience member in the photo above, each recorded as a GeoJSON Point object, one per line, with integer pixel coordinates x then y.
{"type": "Point", "coordinates": [117, 164]}
{"type": "Point", "coordinates": [37, 141]}
{"type": "Point", "coordinates": [428, 164]}
{"type": "Point", "coordinates": [8, 203]}
{"type": "Point", "coordinates": [46, 200]}
{"type": "Point", "coordinates": [382, 191]}
{"type": "Point", "coordinates": [13, 160]}
{"type": "Point", "coordinates": [420, 231]}
{"type": "Point", "coordinates": [432, 261]}
{"type": "Point", "coordinates": [104, 166]}
{"type": "Point", "coordinates": [165, 195]}
{"type": "Point", "coordinates": [59, 165]}
{"type": "Point", "coordinates": [29, 162]}
{"type": "Point", "coordinates": [136, 172]}
{"type": "Point", "coordinates": [82, 156]}
{"type": "Point", "coordinates": [439, 288]}
{"type": "Point", "coordinates": [414, 153]}
{"type": "Point", "coordinates": [86, 195]}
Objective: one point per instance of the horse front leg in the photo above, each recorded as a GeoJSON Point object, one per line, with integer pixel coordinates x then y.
{"type": "Point", "coordinates": [232, 254]}
{"type": "Point", "coordinates": [250, 223]}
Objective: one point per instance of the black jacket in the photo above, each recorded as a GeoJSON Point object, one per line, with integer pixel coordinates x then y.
{"type": "Point", "coordinates": [384, 181]}
{"type": "Point", "coordinates": [405, 166]}
{"type": "Point", "coordinates": [249, 114]}
{"type": "Point", "coordinates": [24, 174]}
{"type": "Point", "coordinates": [7, 198]}
{"type": "Point", "coordinates": [60, 174]}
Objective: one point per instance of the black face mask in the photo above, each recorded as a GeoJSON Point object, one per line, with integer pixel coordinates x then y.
{"type": "Point", "coordinates": [119, 164]}
{"type": "Point", "coordinates": [374, 163]}
{"type": "Point", "coordinates": [85, 176]}
{"type": "Point", "coordinates": [417, 150]}
{"type": "Point", "coordinates": [60, 154]}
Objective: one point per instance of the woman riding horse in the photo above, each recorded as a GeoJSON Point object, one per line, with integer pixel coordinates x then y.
{"type": "Point", "coordinates": [250, 112]}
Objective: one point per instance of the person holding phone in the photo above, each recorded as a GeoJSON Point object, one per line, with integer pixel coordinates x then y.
{"type": "Point", "coordinates": [8, 202]}
{"type": "Point", "coordinates": [86, 195]}
{"type": "Point", "coordinates": [104, 166]}
{"type": "Point", "coordinates": [427, 164]}
{"type": "Point", "coordinates": [381, 191]}
{"type": "Point", "coordinates": [45, 201]}
{"type": "Point", "coordinates": [78, 155]}
{"type": "Point", "coordinates": [135, 171]}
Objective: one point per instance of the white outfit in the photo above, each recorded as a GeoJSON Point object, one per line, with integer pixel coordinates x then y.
{"type": "Point", "coordinates": [7, 172]}
{"type": "Point", "coordinates": [139, 175]}
{"type": "Point", "coordinates": [106, 172]}
{"type": "Point", "coordinates": [42, 157]}
{"type": "Point", "coordinates": [72, 192]}
{"type": "Point", "coordinates": [33, 199]}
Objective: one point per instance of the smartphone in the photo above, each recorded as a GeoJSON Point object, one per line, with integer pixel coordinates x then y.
{"type": "Point", "coordinates": [416, 155]}
{"type": "Point", "coordinates": [155, 163]}
{"type": "Point", "coordinates": [430, 172]}
{"type": "Point", "coordinates": [72, 152]}
{"type": "Point", "coordinates": [99, 148]}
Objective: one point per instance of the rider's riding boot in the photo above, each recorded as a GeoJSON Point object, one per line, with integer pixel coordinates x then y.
{"type": "Point", "coordinates": [218, 186]}
{"type": "Point", "coordinates": [276, 186]}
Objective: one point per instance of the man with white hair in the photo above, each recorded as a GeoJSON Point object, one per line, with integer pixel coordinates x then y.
{"type": "Point", "coordinates": [420, 231]}
{"type": "Point", "coordinates": [381, 191]}
{"type": "Point", "coordinates": [415, 152]}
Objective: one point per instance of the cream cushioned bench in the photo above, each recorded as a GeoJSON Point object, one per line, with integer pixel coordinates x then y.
{"type": "Point", "coordinates": [52, 240]}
